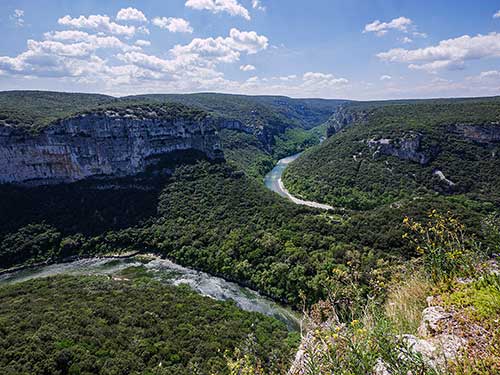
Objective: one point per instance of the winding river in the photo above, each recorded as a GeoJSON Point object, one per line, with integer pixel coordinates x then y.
{"type": "Point", "coordinates": [166, 272]}
{"type": "Point", "coordinates": [170, 273]}
{"type": "Point", "coordinates": [274, 182]}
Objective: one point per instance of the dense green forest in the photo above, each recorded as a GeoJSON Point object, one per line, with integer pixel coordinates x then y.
{"type": "Point", "coordinates": [89, 325]}
{"type": "Point", "coordinates": [347, 171]}
{"type": "Point", "coordinates": [260, 111]}
{"type": "Point", "coordinates": [211, 217]}
{"type": "Point", "coordinates": [218, 217]}
{"type": "Point", "coordinates": [273, 114]}
{"type": "Point", "coordinates": [35, 109]}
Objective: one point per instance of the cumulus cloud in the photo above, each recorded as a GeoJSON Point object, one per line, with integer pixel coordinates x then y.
{"type": "Point", "coordinates": [448, 54]}
{"type": "Point", "coordinates": [497, 14]}
{"type": "Point", "coordinates": [142, 43]}
{"type": "Point", "coordinates": [419, 34]}
{"type": "Point", "coordinates": [18, 17]}
{"type": "Point", "coordinates": [98, 23]}
{"type": "Point", "coordinates": [257, 4]}
{"type": "Point", "coordinates": [247, 68]}
{"type": "Point", "coordinates": [174, 25]}
{"type": "Point", "coordinates": [90, 41]}
{"type": "Point", "coordinates": [149, 62]}
{"type": "Point", "coordinates": [67, 53]}
{"type": "Point", "coordinates": [217, 6]}
{"type": "Point", "coordinates": [222, 50]}
{"type": "Point", "coordinates": [322, 80]}
{"type": "Point", "coordinates": [90, 59]}
{"type": "Point", "coordinates": [490, 74]}
{"type": "Point", "coordinates": [131, 14]}
{"type": "Point", "coordinates": [406, 40]}
{"type": "Point", "coordinates": [290, 77]}
{"type": "Point", "coordinates": [382, 28]}
{"type": "Point", "coordinates": [385, 77]}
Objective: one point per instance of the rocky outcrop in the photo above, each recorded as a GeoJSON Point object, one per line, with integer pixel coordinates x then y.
{"type": "Point", "coordinates": [404, 148]}
{"type": "Point", "coordinates": [343, 118]}
{"type": "Point", "coordinates": [104, 143]}
{"type": "Point", "coordinates": [484, 134]}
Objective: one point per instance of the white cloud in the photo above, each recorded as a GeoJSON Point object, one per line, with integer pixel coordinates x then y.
{"type": "Point", "coordinates": [448, 54]}
{"type": "Point", "coordinates": [222, 50]}
{"type": "Point", "coordinates": [406, 40]}
{"type": "Point", "coordinates": [142, 43]}
{"type": "Point", "coordinates": [247, 68]}
{"type": "Point", "coordinates": [382, 28]}
{"type": "Point", "coordinates": [290, 77]}
{"type": "Point", "coordinates": [98, 23]}
{"type": "Point", "coordinates": [322, 80]}
{"type": "Point", "coordinates": [131, 14]}
{"type": "Point", "coordinates": [149, 62]}
{"type": "Point", "coordinates": [490, 74]}
{"type": "Point", "coordinates": [420, 35]}
{"type": "Point", "coordinates": [385, 78]}
{"type": "Point", "coordinates": [18, 17]}
{"type": "Point", "coordinates": [91, 42]}
{"type": "Point", "coordinates": [257, 4]}
{"type": "Point", "coordinates": [217, 6]}
{"type": "Point", "coordinates": [68, 53]}
{"type": "Point", "coordinates": [497, 14]}
{"type": "Point", "coordinates": [174, 25]}
{"type": "Point", "coordinates": [247, 41]}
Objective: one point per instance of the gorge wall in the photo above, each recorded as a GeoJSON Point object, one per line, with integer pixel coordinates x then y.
{"type": "Point", "coordinates": [105, 143]}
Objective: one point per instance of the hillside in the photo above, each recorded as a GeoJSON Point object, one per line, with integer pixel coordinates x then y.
{"type": "Point", "coordinates": [258, 110]}
{"type": "Point", "coordinates": [265, 128]}
{"type": "Point", "coordinates": [36, 109]}
{"type": "Point", "coordinates": [211, 214]}
{"type": "Point", "coordinates": [389, 151]}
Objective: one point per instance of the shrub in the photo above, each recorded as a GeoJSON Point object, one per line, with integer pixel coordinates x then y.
{"type": "Point", "coordinates": [445, 248]}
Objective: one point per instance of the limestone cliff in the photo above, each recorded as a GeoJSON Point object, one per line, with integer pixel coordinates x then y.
{"type": "Point", "coordinates": [343, 118]}
{"type": "Point", "coordinates": [481, 133]}
{"type": "Point", "coordinates": [404, 148]}
{"type": "Point", "coordinates": [103, 143]}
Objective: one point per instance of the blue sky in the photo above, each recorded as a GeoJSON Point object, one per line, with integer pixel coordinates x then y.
{"type": "Point", "coordinates": [356, 49]}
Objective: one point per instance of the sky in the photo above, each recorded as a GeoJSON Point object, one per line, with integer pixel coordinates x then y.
{"type": "Point", "coordinates": [349, 49]}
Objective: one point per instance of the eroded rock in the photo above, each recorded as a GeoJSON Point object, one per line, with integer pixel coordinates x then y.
{"type": "Point", "coordinates": [404, 148]}
{"type": "Point", "coordinates": [105, 143]}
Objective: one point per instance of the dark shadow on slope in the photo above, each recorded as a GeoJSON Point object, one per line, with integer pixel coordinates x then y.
{"type": "Point", "coordinates": [93, 206]}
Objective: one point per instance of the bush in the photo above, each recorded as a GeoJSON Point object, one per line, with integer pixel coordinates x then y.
{"type": "Point", "coordinates": [445, 248]}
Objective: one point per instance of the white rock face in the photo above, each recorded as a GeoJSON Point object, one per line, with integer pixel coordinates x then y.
{"type": "Point", "coordinates": [432, 316]}
{"type": "Point", "coordinates": [100, 144]}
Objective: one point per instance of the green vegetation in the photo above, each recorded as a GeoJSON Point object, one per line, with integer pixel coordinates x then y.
{"type": "Point", "coordinates": [217, 217]}
{"type": "Point", "coordinates": [205, 216]}
{"type": "Point", "coordinates": [377, 337]}
{"type": "Point", "coordinates": [481, 299]}
{"type": "Point", "coordinates": [90, 325]}
{"type": "Point", "coordinates": [276, 112]}
{"type": "Point", "coordinates": [344, 172]}
{"type": "Point", "coordinates": [35, 109]}
{"type": "Point", "coordinates": [152, 110]}
{"type": "Point", "coordinates": [443, 246]}
{"type": "Point", "coordinates": [272, 114]}
{"type": "Point", "coordinates": [245, 151]}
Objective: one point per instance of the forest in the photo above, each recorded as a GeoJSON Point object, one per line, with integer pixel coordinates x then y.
{"type": "Point", "coordinates": [88, 325]}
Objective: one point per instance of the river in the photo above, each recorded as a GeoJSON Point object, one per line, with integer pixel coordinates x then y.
{"type": "Point", "coordinates": [166, 272]}
{"type": "Point", "coordinates": [273, 181]}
